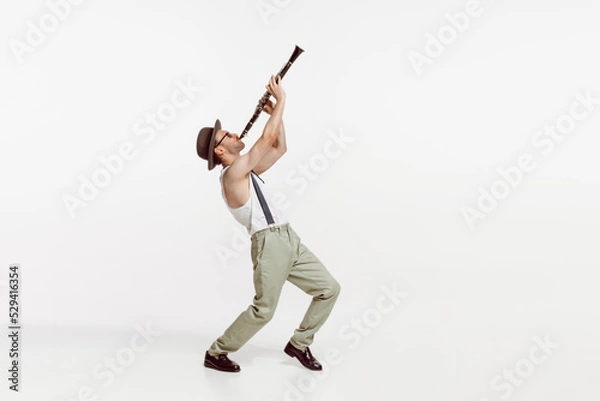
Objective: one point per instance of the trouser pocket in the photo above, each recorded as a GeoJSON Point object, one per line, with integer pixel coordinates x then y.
{"type": "Point", "coordinates": [257, 248]}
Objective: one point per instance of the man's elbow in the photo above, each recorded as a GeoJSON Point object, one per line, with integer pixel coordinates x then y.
{"type": "Point", "coordinates": [270, 136]}
{"type": "Point", "coordinates": [281, 149]}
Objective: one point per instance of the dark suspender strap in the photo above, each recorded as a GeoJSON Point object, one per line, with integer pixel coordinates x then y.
{"type": "Point", "coordinates": [261, 199]}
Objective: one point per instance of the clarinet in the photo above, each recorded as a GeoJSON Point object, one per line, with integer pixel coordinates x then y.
{"type": "Point", "coordinates": [263, 100]}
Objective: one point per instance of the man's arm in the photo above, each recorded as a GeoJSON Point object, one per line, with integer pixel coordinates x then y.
{"type": "Point", "coordinates": [272, 135]}
{"type": "Point", "coordinates": [279, 147]}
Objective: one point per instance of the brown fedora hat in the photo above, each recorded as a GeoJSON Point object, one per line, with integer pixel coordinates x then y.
{"type": "Point", "coordinates": [205, 144]}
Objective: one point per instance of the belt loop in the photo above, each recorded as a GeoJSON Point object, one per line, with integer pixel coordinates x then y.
{"type": "Point", "coordinates": [275, 227]}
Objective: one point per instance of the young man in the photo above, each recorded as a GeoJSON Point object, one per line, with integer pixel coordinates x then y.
{"type": "Point", "coordinates": [276, 250]}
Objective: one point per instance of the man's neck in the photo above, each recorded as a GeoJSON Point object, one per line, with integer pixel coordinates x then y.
{"type": "Point", "coordinates": [228, 160]}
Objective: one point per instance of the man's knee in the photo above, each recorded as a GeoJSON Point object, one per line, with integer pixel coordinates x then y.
{"type": "Point", "coordinates": [263, 314]}
{"type": "Point", "coordinates": [333, 289]}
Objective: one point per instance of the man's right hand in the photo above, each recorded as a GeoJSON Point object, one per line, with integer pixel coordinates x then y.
{"type": "Point", "coordinates": [275, 89]}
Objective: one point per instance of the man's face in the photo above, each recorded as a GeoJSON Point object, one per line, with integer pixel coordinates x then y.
{"type": "Point", "coordinates": [229, 142]}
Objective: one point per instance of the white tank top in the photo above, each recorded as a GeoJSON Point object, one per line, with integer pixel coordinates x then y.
{"type": "Point", "coordinates": [251, 215]}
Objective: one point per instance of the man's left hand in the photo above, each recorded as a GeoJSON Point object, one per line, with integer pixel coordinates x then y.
{"type": "Point", "coordinates": [268, 107]}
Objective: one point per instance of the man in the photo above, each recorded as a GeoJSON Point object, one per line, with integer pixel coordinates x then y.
{"type": "Point", "coordinates": [276, 250]}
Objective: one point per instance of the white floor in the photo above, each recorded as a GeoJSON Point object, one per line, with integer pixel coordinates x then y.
{"type": "Point", "coordinates": [456, 342]}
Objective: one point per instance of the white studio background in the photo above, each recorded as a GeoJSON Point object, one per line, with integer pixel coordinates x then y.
{"type": "Point", "coordinates": [395, 142]}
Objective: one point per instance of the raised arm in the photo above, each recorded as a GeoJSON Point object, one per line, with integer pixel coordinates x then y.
{"type": "Point", "coordinates": [270, 143]}
{"type": "Point", "coordinates": [279, 146]}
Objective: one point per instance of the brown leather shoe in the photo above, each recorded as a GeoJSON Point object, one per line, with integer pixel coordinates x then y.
{"type": "Point", "coordinates": [221, 362]}
{"type": "Point", "coordinates": [305, 357]}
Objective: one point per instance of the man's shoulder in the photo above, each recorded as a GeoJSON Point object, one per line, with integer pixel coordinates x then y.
{"type": "Point", "coordinates": [237, 170]}
{"type": "Point", "coordinates": [233, 173]}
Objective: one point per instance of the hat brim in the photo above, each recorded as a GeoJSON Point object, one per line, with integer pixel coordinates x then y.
{"type": "Point", "coordinates": [211, 145]}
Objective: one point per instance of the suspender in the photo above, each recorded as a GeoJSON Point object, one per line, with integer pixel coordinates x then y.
{"type": "Point", "coordinates": [261, 199]}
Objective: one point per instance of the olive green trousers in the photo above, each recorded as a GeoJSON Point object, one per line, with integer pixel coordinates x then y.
{"type": "Point", "coordinates": [279, 255]}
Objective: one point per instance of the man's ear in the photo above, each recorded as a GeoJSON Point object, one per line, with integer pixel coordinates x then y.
{"type": "Point", "coordinates": [219, 152]}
